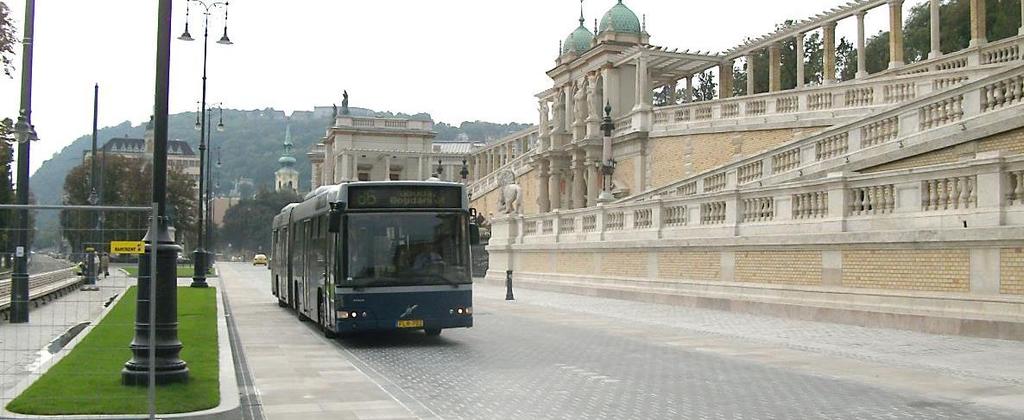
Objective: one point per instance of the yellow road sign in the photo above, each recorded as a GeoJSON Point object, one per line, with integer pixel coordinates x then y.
{"type": "Point", "coordinates": [127, 247]}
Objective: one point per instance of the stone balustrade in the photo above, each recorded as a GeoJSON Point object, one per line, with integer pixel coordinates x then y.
{"type": "Point", "coordinates": [985, 192]}
{"type": "Point", "coordinates": [998, 52]}
{"type": "Point", "coordinates": [373, 122]}
{"type": "Point", "coordinates": [855, 97]}
{"type": "Point", "coordinates": [995, 98]}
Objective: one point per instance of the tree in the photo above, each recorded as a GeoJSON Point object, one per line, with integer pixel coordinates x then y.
{"type": "Point", "coordinates": [125, 181]}
{"type": "Point", "coordinates": [707, 87]}
{"type": "Point", "coordinates": [6, 188]}
{"type": "Point", "coordinates": [7, 40]}
{"type": "Point", "coordinates": [247, 225]}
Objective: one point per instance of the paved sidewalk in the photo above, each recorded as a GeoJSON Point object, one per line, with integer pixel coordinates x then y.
{"type": "Point", "coordinates": [298, 373]}
{"type": "Point", "coordinates": [963, 368]}
{"type": "Point", "coordinates": [23, 347]}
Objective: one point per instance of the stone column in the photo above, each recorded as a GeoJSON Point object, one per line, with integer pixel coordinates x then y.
{"type": "Point", "coordinates": [750, 74]}
{"type": "Point", "coordinates": [387, 167]}
{"type": "Point", "coordinates": [543, 198]}
{"type": "Point", "coordinates": [545, 130]}
{"type": "Point", "coordinates": [1021, 30]}
{"type": "Point", "coordinates": [978, 36]}
{"type": "Point", "coordinates": [593, 181]}
{"type": "Point", "coordinates": [578, 184]}
{"type": "Point", "coordinates": [774, 68]}
{"type": "Point", "coordinates": [419, 168]}
{"type": "Point", "coordinates": [555, 185]}
{"type": "Point", "coordinates": [895, 34]}
{"type": "Point", "coordinates": [346, 166]}
{"type": "Point", "coordinates": [688, 93]}
{"type": "Point", "coordinates": [672, 97]}
{"type": "Point", "coordinates": [339, 167]}
{"type": "Point", "coordinates": [569, 115]}
{"type": "Point", "coordinates": [936, 32]}
{"type": "Point", "coordinates": [862, 58]}
{"type": "Point", "coordinates": [829, 54]}
{"type": "Point", "coordinates": [355, 166]}
{"type": "Point", "coordinates": [800, 71]}
{"type": "Point", "coordinates": [725, 79]}
{"type": "Point", "coordinates": [643, 86]}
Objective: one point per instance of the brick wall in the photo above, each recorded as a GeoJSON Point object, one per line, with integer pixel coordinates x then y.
{"type": "Point", "coordinates": [625, 174]}
{"type": "Point", "coordinates": [942, 270]}
{"type": "Point", "coordinates": [779, 267]}
{"type": "Point", "coordinates": [677, 157]}
{"type": "Point", "coordinates": [1011, 141]}
{"type": "Point", "coordinates": [687, 265]}
{"type": "Point", "coordinates": [624, 264]}
{"type": "Point", "coordinates": [535, 262]}
{"type": "Point", "coordinates": [575, 263]}
{"type": "Point", "coordinates": [1011, 269]}
{"type": "Point", "coordinates": [530, 183]}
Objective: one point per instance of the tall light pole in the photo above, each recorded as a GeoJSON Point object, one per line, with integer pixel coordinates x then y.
{"type": "Point", "coordinates": [200, 256]}
{"type": "Point", "coordinates": [25, 133]}
{"type": "Point", "coordinates": [91, 251]}
{"type": "Point", "coordinates": [157, 341]}
{"type": "Point", "coordinates": [209, 174]}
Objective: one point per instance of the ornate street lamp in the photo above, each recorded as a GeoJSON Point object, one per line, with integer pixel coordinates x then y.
{"type": "Point", "coordinates": [24, 133]}
{"type": "Point", "coordinates": [607, 163]}
{"type": "Point", "coordinates": [156, 342]}
{"type": "Point", "coordinates": [200, 256]}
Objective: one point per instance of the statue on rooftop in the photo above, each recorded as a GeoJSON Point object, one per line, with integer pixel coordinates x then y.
{"type": "Point", "coordinates": [344, 102]}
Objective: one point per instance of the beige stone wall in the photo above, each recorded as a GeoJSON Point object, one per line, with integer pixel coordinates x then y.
{"type": "Point", "coordinates": [1011, 141]}
{"type": "Point", "coordinates": [779, 267]}
{"type": "Point", "coordinates": [624, 264]}
{"type": "Point", "coordinates": [689, 265]}
{"type": "Point", "coordinates": [487, 204]}
{"type": "Point", "coordinates": [575, 263]}
{"type": "Point", "coordinates": [530, 182]}
{"type": "Point", "coordinates": [535, 262]}
{"type": "Point", "coordinates": [1011, 269]}
{"type": "Point", "coordinates": [676, 157]}
{"type": "Point", "coordinates": [625, 174]}
{"type": "Point", "coordinates": [940, 270]}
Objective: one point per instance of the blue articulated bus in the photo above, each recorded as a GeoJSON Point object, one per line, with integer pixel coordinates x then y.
{"type": "Point", "coordinates": [377, 256]}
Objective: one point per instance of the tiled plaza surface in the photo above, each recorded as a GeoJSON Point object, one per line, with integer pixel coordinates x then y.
{"type": "Point", "coordinates": [550, 355]}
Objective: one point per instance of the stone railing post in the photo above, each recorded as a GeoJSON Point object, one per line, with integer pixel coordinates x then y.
{"type": "Point", "coordinates": [907, 197]}
{"type": "Point", "coordinates": [853, 140]}
{"type": "Point", "coordinates": [783, 202]}
{"type": "Point", "coordinates": [600, 221]}
{"type": "Point", "coordinates": [555, 224]}
{"type": "Point", "coordinates": [909, 123]}
{"type": "Point", "coordinates": [991, 189]}
{"type": "Point", "coordinates": [520, 224]}
{"type": "Point", "coordinates": [733, 211]}
{"type": "Point", "coordinates": [972, 103]}
{"type": "Point", "coordinates": [656, 219]}
{"type": "Point", "coordinates": [838, 200]}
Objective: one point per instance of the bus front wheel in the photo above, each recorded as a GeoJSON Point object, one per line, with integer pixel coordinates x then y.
{"type": "Point", "coordinates": [432, 332]}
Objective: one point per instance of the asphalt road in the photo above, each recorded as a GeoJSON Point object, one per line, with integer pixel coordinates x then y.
{"type": "Point", "coordinates": [529, 359]}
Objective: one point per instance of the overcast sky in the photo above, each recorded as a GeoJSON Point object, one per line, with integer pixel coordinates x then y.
{"type": "Point", "coordinates": [456, 59]}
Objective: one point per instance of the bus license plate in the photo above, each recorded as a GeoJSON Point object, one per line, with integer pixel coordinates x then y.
{"type": "Point", "coordinates": [410, 323]}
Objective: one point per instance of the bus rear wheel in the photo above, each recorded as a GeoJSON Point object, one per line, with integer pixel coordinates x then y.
{"type": "Point", "coordinates": [432, 332]}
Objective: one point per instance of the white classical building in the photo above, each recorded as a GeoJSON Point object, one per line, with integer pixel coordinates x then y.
{"type": "Point", "coordinates": [359, 148]}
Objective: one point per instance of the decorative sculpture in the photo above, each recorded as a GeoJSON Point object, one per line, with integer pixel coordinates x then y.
{"type": "Point", "coordinates": [510, 196]}
{"type": "Point", "coordinates": [344, 102]}
{"type": "Point", "coordinates": [580, 108]}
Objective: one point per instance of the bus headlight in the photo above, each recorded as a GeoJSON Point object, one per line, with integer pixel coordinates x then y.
{"type": "Point", "coordinates": [342, 314]}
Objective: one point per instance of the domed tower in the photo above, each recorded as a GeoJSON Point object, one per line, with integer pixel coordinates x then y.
{"type": "Point", "coordinates": [579, 41]}
{"type": "Point", "coordinates": [287, 178]}
{"type": "Point", "coordinates": [620, 24]}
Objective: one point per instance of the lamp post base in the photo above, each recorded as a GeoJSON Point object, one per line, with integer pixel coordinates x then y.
{"type": "Point", "coordinates": [199, 268]}
{"type": "Point", "coordinates": [605, 197]}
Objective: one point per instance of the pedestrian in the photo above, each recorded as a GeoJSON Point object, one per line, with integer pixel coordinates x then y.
{"type": "Point", "coordinates": [105, 264]}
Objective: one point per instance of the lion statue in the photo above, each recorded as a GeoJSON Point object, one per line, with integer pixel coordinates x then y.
{"type": "Point", "coordinates": [510, 194]}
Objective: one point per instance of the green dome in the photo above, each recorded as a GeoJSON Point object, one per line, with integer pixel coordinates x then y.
{"type": "Point", "coordinates": [286, 160]}
{"type": "Point", "coordinates": [620, 19]}
{"type": "Point", "coordinates": [579, 41]}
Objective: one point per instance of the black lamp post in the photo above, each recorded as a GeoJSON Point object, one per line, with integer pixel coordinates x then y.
{"type": "Point", "coordinates": [24, 133]}
{"type": "Point", "coordinates": [200, 256]}
{"type": "Point", "coordinates": [158, 341]}
{"type": "Point", "coordinates": [209, 176]}
{"type": "Point", "coordinates": [464, 172]}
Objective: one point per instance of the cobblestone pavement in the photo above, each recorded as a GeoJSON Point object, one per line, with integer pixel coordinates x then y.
{"type": "Point", "coordinates": [558, 356]}
{"type": "Point", "coordinates": [600, 358]}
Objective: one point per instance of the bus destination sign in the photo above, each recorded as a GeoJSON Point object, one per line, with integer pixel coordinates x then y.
{"type": "Point", "coordinates": [404, 197]}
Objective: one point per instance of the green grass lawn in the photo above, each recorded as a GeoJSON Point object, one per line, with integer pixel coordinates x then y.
{"type": "Point", "coordinates": [88, 380]}
{"type": "Point", "coordinates": [184, 271]}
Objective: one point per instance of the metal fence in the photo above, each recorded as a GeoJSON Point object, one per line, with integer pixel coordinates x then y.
{"type": "Point", "coordinates": [74, 282]}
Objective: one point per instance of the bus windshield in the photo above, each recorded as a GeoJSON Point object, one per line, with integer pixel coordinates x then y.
{"type": "Point", "coordinates": [406, 249]}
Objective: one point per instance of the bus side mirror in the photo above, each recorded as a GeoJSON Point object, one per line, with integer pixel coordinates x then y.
{"type": "Point", "coordinates": [334, 219]}
{"type": "Point", "coordinates": [474, 234]}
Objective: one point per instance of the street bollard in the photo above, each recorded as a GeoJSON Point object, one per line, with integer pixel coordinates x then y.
{"type": "Point", "coordinates": [508, 285]}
